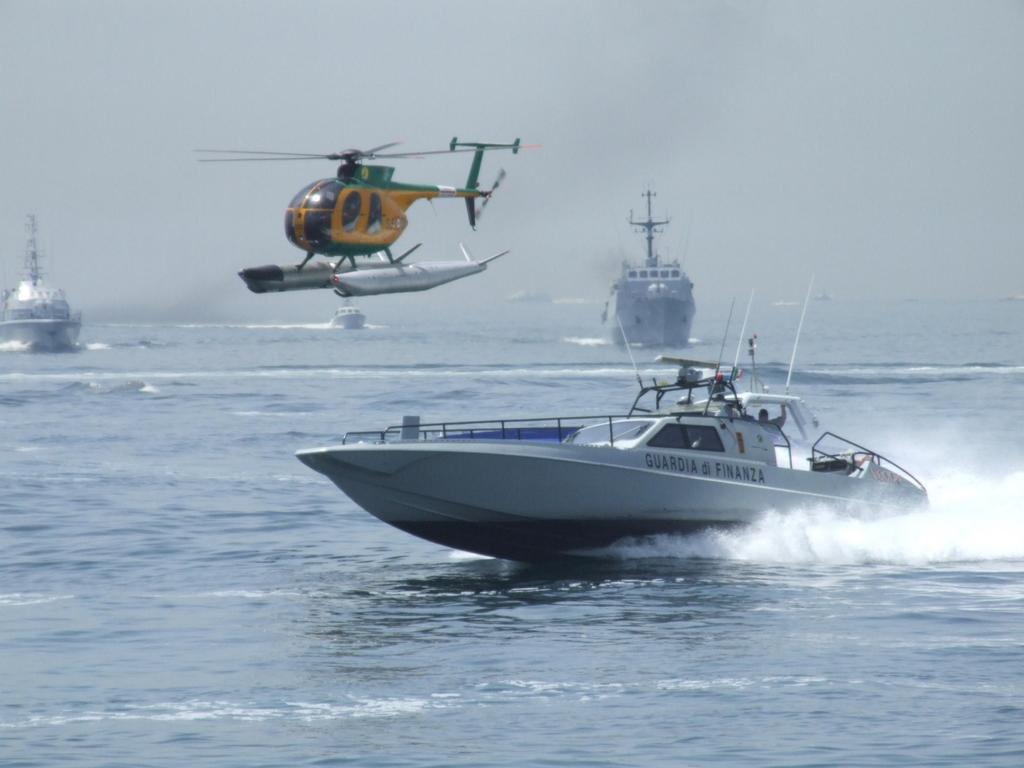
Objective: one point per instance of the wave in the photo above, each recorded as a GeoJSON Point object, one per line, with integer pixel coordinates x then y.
{"type": "Point", "coordinates": [286, 326]}
{"type": "Point", "coordinates": [240, 594]}
{"type": "Point", "coordinates": [15, 346]}
{"type": "Point", "coordinates": [598, 370]}
{"type": "Point", "coordinates": [587, 342]}
{"type": "Point", "coordinates": [268, 326]}
{"type": "Point", "coordinates": [866, 374]}
{"type": "Point", "coordinates": [969, 519]}
{"type": "Point", "coordinates": [918, 369]}
{"type": "Point", "coordinates": [30, 598]}
{"type": "Point", "coordinates": [96, 387]}
{"type": "Point", "coordinates": [891, 373]}
{"type": "Point", "coordinates": [276, 414]}
{"type": "Point", "coordinates": [137, 344]}
{"type": "Point", "coordinates": [200, 709]}
{"type": "Point", "coordinates": [301, 326]}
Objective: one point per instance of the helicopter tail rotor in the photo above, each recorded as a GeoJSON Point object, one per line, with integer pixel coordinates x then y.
{"type": "Point", "coordinates": [479, 211]}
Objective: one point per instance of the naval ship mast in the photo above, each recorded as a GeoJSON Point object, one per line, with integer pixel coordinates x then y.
{"type": "Point", "coordinates": [651, 227]}
{"type": "Point", "coordinates": [32, 269]}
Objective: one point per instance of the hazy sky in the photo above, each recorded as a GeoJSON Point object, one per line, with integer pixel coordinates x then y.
{"type": "Point", "coordinates": [879, 146]}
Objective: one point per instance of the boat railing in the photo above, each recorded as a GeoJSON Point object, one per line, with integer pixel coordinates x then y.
{"type": "Point", "coordinates": [852, 459]}
{"type": "Point", "coordinates": [544, 429]}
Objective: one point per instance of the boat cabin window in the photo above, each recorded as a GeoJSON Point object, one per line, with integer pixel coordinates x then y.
{"type": "Point", "coordinates": [687, 436]}
{"type": "Point", "coordinates": [632, 273]}
{"type": "Point", "coordinates": [350, 211]}
{"type": "Point", "coordinates": [643, 273]}
{"type": "Point", "coordinates": [664, 273]}
{"type": "Point", "coordinates": [675, 273]}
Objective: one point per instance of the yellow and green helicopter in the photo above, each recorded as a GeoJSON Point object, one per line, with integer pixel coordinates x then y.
{"type": "Point", "coordinates": [361, 211]}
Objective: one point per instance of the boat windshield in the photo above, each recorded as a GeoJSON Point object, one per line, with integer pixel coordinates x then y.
{"type": "Point", "coordinates": [609, 434]}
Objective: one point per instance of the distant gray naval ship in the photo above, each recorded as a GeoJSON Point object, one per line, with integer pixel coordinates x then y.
{"type": "Point", "coordinates": [653, 301]}
{"type": "Point", "coordinates": [35, 314]}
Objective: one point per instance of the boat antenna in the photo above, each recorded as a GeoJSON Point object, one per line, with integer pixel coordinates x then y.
{"type": "Point", "coordinates": [625, 341]}
{"type": "Point", "coordinates": [799, 328]}
{"type": "Point", "coordinates": [751, 350]}
{"type": "Point", "coordinates": [721, 351]}
{"type": "Point", "coordinates": [739, 341]}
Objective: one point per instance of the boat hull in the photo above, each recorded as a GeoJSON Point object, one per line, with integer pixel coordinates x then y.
{"type": "Point", "coordinates": [42, 335]}
{"type": "Point", "coordinates": [533, 502]}
{"type": "Point", "coordinates": [654, 321]}
{"type": "Point", "coordinates": [349, 322]}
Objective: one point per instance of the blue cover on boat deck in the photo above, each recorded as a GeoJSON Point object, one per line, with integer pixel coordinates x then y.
{"type": "Point", "coordinates": [534, 434]}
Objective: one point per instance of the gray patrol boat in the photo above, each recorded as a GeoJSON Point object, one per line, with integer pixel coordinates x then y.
{"type": "Point", "coordinates": [35, 314]}
{"type": "Point", "coordinates": [535, 489]}
{"type": "Point", "coordinates": [653, 301]}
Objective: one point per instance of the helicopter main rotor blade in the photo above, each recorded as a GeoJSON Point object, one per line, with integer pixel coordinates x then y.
{"type": "Point", "coordinates": [253, 159]}
{"type": "Point", "coordinates": [348, 154]}
{"type": "Point", "coordinates": [375, 150]}
{"type": "Point", "coordinates": [259, 152]}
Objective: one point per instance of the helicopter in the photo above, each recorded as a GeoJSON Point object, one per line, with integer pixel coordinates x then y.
{"type": "Point", "coordinates": [358, 213]}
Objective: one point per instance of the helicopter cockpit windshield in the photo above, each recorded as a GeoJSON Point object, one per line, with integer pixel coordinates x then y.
{"type": "Point", "coordinates": [300, 197]}
{"type": "Point", "coordinates": [307, 221]}
{"type": "Point", "coordinates": [324, 195]}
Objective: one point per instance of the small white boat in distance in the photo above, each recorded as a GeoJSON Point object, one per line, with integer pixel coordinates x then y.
{"type": "Point", "coordinates": [535, 489]}
{"type": "Point", "coordinates": [34, 313]}
{"type": "Point", "coordinates": [348, 317]}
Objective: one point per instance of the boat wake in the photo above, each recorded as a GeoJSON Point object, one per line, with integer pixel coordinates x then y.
{"type": "Point", "coordinates": [287, 327]}
{"type": "Point", "coordinates": [17, 599]}
{"type": "Point", "coordinates": [15, 346]}
{"type": "Point", "coordinates": [587, 342]}
{"type": "Point", "coordinates": [349, 708]}
{"type": "Point", "coordinates": [131, 386]}
{"type": "Point", "coordinates": [969, 519]}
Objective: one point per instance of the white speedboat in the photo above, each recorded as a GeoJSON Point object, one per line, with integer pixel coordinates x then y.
{"type": "Point", "coordinates": [533, 489]}
{"type": "Point", "coordinates": [348, 317]}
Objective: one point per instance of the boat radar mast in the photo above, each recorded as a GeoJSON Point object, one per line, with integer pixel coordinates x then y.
{"type": "Point", "coordinates": [650, 226]}
{"type": "Point", "coordinates": [32, 270]}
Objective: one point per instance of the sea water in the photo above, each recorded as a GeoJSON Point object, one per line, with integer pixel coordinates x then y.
{"type": "Point", "coordinates": [177, 589]}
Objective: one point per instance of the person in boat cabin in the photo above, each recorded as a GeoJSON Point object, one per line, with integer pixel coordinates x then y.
{"type": "Point", "coordinates": [778, 421]}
